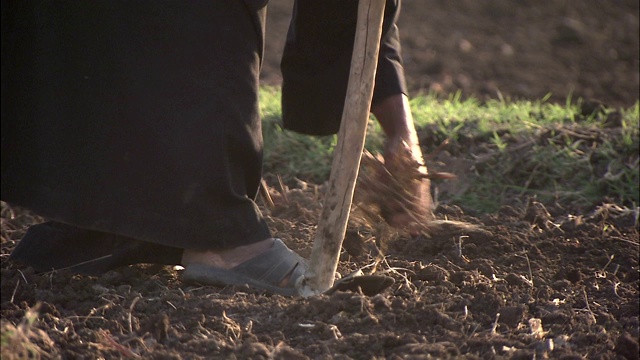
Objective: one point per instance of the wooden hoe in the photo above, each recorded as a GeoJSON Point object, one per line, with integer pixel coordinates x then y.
{"type": "Point", "coordinates": [332, 225]}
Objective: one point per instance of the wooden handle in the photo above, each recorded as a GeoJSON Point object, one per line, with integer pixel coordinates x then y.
{"type": "Point", "coordinates": [347, 154]}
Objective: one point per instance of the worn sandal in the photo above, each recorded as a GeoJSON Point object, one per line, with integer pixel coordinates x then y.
{"type": "Point", "coordinates": [270, 269]}
{"type": "Point", "coordinates": [266, 271]}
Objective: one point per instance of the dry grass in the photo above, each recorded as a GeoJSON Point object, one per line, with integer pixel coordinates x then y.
{"type": "Point", "coordinates": [25, 340]}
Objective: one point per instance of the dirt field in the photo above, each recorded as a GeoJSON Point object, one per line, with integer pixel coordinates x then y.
{"type": "Point", "coordinates": [534, 281]}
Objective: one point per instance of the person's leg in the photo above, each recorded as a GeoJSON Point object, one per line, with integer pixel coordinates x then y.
{"type": "Point", "coordinates": [315, 68]}
{"type": "Point", "coordinates": [138, 120]}
{"type": "Point", "coordinates": [316, 61]}
{"type": "Point", "coordinates": [394, 115]}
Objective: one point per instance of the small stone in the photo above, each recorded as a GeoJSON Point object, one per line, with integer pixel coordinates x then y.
{"type": "Point", "coordinates": [511, 315]}
{"type": "Point", "coordinates": [514, 279]}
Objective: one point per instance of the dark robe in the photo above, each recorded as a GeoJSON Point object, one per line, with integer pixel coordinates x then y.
{"type": "Point", "coordinates": [140, 118]}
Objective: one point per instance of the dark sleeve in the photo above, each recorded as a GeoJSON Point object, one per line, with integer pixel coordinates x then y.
{"type": "Point", "coordinates": [316, 61]}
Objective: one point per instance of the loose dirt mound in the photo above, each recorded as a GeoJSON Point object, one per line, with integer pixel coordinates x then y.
{"type": "Point", "coordinates": [532, 281]}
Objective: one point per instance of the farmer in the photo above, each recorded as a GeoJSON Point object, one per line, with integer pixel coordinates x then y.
{"type": "Point", "coordinates": [134, 128]}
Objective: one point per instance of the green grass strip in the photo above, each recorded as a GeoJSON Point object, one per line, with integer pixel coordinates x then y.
{"type": "Point", "coordinates": [518, 149]}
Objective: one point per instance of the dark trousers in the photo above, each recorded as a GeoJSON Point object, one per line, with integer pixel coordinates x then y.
{"type": "Point", "coordinates": [141, 118]}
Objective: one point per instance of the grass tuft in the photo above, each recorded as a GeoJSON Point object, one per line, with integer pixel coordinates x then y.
{"type": "Point", "coordinates": [25, 341]}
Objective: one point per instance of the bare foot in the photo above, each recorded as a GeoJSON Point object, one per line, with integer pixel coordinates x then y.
{"type": "Point", "coordinates": [413, 206]}
{"type": "Point", "coordinates": [228, 258]}
{"type": "Point", "coordinates": [402, 149]}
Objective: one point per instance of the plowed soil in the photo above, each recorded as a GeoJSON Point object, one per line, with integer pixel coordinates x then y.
{"type": "Point", "coordinates": [532, 281]}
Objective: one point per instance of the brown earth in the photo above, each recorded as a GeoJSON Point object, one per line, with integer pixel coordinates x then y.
{"type": "Point", "coordinates": [534, 281]}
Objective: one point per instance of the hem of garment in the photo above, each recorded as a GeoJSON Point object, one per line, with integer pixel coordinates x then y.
{"type": "Point", "coordinates": [241, 225]}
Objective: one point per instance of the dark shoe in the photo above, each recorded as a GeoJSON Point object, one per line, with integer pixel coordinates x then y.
{"type": "Point", "coordinates": [54, 246]}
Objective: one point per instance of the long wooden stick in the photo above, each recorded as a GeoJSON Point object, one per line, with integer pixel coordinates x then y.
{"type": "Point", "coordinates": [347, 154]}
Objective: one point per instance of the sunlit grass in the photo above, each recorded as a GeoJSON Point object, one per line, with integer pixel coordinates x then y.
{"type": "Point", "coordinates": [520, 149]}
